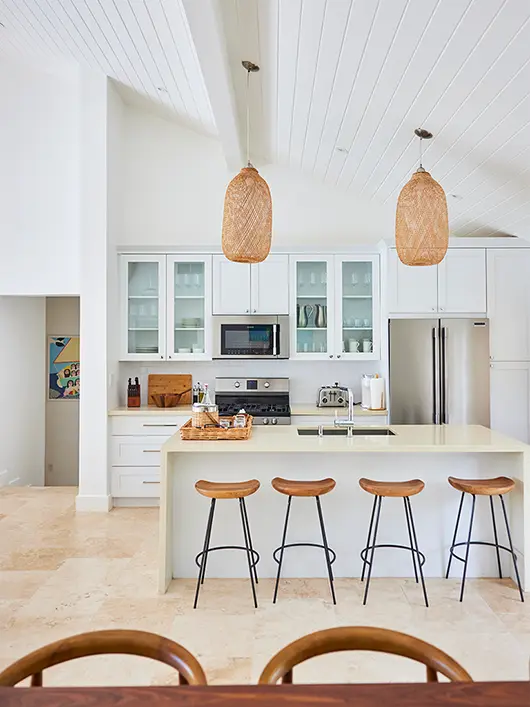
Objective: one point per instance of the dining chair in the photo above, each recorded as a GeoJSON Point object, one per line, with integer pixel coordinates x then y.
{"type": "Point", "coordinates": [121, 641]}
{"type": "Point", "coordinates": [361, 638]}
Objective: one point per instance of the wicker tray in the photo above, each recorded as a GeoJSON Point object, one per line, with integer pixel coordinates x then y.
{"type": "Point", "coordinates": [187, 431]}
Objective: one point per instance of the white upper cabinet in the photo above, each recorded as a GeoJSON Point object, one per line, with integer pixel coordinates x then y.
{"type": "Point", "coordinates": [509, 399]}
{"type": "Point", "coordinates": [509, 304]}
{"type": "Point", "coordinates": [457, 285]}
{"type": "Point", "coordinates": [189, 307]}
{"type": "Point", "coordinates": [462, 281]}
{"type": "Point", "coordinates": [411, 290]}
{"type": "Point", "coordinates": [143, 307]}
{"type": "Point", "coordinates": [335, 307]}
{"type": "Point", "coordinates": [260, 288]}
{"type": "Point", "coordinates": [357, 307]}
{"type": "Point", "coordinates": [231, 286]}
{"type": "Point", "coordinates": [270, 286]}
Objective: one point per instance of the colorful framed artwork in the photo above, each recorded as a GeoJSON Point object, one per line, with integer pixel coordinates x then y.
{"type": "Point", "coordinates": [63, 367]}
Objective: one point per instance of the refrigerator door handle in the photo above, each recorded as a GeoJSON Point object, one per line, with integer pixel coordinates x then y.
{"type": "Point", "coordinates": [435, 377]}
{"type": "Point", "coordinates": [443, 374]}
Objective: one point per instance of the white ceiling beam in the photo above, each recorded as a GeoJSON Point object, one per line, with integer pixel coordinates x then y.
{"type": "Point", "coordinates": [207, 34]}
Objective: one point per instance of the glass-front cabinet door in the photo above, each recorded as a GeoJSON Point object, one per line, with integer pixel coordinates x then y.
{"type": "Point", "coordinates": [189, 307]}
{"type": "Point", "coordinates": [357, 307]}
{"type": "Point", "coordinates": [312, 307]}
{"type": "Point", "coordinates": [143, 281]}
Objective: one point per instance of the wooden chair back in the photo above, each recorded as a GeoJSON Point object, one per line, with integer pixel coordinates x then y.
{"type": "Point", "coordinates": [361, 638]}
{"type": "Point", "coordinates": [124, 642]}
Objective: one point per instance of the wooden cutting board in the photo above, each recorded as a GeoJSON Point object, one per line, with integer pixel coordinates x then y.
{"type": "Point", "coordinates": [173, 383]}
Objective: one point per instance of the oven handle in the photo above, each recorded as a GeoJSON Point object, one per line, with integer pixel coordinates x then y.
{"type": "Point", "coordinates": [275, 340]}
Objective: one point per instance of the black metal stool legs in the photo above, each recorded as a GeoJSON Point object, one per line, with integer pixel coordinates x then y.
{"type": "Point", "coordinates": [467, 548]}
{"type": "Point", "coordinates": [246, 536]}
{"type": "Point", "coordinates": [244, 506]}
{"type": "Point", "coordinates": [418, 558]}
{"type": "Point", "coordinates": [454, 535]}
{"type": "Point", "coordinates": [280, 561]}
{"type": "Point", "coordinates": [514, 557]}
{"type": "Point", "coordinates": [495, 536]}
{"type": "Point", "coordinates": [329, 553]}
{"type": "Point", "coordinates": [417, 551]}
{"type": "Point", "coordinates": [326, 548]}
{"type": "Point", "coordinates": [379, 500]}
{"type": "Point", "coordinates": [410, 539]}
{"type": "Point", "coordinates": [202, 566]}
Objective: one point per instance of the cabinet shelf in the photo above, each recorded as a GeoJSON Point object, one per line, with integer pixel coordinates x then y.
{"type": "Point", "coordinates": [357, 296]}
{"type": "Point", "coordinates": [357, 328]}
{"type": "Point", "coordinates": [188, 328]}
{"type": "Point", "coordinates": [143, 296]}
{"type": "Point", "coordinates": [142, 328]}
{"type": "Point", "coordinates": [311, 297]}
{"type": "Point", "coordinates": [311, 328]}
{"type": "Point", "coordinates": [189, 296]}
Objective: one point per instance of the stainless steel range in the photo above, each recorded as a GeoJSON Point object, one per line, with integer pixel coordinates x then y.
{"type": "Point", "coordinates": [266, 399]}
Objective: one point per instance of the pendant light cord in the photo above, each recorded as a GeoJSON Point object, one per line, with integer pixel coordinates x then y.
{"type": "Point", "coordinates": [421, 153]}
{"type": "Point", "coordinates": [248, 120]}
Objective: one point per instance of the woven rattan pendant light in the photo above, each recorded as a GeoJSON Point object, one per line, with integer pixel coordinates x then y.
{"type": "Point", "coordinates": [422, 228]}
{"type": "Point", "coordinates": [247, 217]}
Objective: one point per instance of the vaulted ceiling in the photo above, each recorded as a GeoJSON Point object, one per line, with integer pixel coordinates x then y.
{"type": "Point", "coordinates": [343, 84]}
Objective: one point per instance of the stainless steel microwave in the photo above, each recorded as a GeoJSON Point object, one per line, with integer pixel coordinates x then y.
{"type": "Point", "coordinates": [262, 336]}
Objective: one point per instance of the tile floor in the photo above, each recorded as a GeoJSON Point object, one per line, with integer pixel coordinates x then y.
{"type": "Point", "coordinates": [62, 573]}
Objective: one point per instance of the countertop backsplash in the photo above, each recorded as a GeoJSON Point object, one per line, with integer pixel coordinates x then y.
{"type": "Point", "coordinates": [305, 376]}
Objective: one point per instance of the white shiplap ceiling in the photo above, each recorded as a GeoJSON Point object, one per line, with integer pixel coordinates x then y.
{"type": "Point", "coordinates": [343, 84]}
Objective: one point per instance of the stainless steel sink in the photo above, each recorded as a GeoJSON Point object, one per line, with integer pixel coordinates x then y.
{"type": "Point", "coordinates": [342, 432]}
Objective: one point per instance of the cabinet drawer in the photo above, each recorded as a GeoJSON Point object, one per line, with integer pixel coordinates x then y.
{"type": "Point", "coordinates": [147, 425]}
{"type": "Point", "coordinates": [133, 482]}
{"type": "Point", "coordinates": [136, 451]}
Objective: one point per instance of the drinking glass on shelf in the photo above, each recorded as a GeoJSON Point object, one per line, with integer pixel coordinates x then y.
{"type": "Point", "coordinates": [187, 279]}
{"type": "Point", "coordinates": [313, 279]}
{"type": "Point", "coordinates": [366, 322]}
{"type": "Point", "coordinates": [367, 278]}
{"type": "Point", "coordinates": [301, 281]}
{"type": "Point", "coordinates": [323, 277]}
{"type": "Point", "coordinates": [354, 279]}
{"type": "Point", "coordinates": [197, 280]}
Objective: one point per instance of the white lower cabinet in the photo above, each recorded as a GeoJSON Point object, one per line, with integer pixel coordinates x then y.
{"type": "Point", "coordinates": [509, 399]}
{"type": "Point", "coordinates": [135, 444]}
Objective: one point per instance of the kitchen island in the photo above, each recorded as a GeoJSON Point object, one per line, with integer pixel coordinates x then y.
{"type": "Point", "coordinates": [429, 452]}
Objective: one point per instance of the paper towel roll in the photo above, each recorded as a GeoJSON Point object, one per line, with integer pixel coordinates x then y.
{"type": "Point", "coordinates": [377, 393]}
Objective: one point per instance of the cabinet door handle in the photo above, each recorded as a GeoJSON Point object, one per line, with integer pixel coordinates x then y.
{"type": "Point", "coordinates": [338, 355]}
{"type": "Point", "coordinates": [151, 450]}
{"type": "Point", "coordinates": [331, 355]}
{"type": "Point", "coordinates": [150, 482]}
{"type": "Point", "coordinates": [161, 357]}
{"type": "Point", "coordinates": [159, 424]}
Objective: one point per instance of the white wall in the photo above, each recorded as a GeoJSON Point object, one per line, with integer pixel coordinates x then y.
{"type": "Point", "coordinates": [305, 377]}
{"type": "Point", "coordinates": [39, 182]}
{"type": "Point", "coordinates": [22, 414]}
{"type": "Point", "coordinates": [62, 416]}
{"type": "Point", "coordinates": [175, 181]}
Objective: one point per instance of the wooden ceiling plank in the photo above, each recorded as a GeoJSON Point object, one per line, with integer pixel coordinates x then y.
{"type": "Point", "coordinates": [205, 27]}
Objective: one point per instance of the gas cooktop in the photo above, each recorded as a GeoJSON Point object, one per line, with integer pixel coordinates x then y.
{"type": "Point", "coordinates": [266, 399]}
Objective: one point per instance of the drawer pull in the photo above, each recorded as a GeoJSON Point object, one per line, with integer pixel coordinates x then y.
{"type": "Point", "coordinates": [146, 451]}
{"type": "Point", "coordinates": [150, 482]}
{"type": "Point", "coordinates": [160, 424]}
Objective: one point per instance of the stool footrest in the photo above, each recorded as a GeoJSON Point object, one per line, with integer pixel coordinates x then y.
{"type": "Point", "coordinates": [333, 555]}
{"type": "Point", "coordinates": [479, 542]}
{"type": "Point", "coordinates": [255, 555]}
{"type": "Point", "coordinates": [364, 551]}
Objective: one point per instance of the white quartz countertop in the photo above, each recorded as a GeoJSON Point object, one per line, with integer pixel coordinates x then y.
{"type": "Point", "coordinates": [296, 409]}
{"type": "Point", "coordinates": [408, 438]}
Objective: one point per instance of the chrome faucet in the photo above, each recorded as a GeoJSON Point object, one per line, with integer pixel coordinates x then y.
{"type": "Point", "coordinates": [347, 422]}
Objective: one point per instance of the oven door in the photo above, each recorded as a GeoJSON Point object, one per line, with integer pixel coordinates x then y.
{"type": "Point", "coordinates": [251, 337]}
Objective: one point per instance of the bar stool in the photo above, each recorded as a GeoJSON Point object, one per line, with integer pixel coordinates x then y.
{"type": "Point", "coordinates": [483, 487]}
{"type": "Point", "coordinates": [308, 489]}
{"type": "Point", "coordinates": [216, 490]}
{"type": "Point", "coordinates": [394, 489]}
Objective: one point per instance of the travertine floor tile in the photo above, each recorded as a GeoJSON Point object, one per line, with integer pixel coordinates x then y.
{"type": "Point", "coordinates": [62, 573]}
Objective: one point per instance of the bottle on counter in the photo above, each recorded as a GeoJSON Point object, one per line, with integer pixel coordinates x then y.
{"type": "Point", "coordinates": [195, 393]}
{"type": "Point", "coordinates": [240, 420]}
{"type": "Point", "coordinates": [206, 399]}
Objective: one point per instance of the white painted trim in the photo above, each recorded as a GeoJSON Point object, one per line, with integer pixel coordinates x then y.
{"type": "Point", "coordinates": [101, 504]}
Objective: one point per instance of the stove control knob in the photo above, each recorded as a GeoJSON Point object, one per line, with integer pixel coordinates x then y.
{"type": "Point", "coordinates": [266, 384]}
{"type": "Point", "coordinates": [274, 421]}
{"type": "Point", "coordinates": [237, 384]}
{"type": "Point", "coordinates": [265, 420]}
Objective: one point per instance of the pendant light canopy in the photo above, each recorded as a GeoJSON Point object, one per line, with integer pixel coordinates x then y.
{"type": "Point", "coordinates": [422, 227]}
{"type": "Point", "coordinates": [247, 218]}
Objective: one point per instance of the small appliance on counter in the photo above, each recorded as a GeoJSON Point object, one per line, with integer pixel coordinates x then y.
{"type": "Point", "coordinates": [372, 392]}
{"type": "Point", "coordinates": [265, 399]}
{"type": "Point", "coordinates": [332, 396]}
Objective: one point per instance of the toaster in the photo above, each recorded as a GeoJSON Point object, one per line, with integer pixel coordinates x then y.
{"type": "Point", "coordinates": [332, 396]}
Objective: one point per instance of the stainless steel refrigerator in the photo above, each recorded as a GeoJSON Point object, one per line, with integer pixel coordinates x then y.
{"type": "Point", "coordinates": [439, 371]}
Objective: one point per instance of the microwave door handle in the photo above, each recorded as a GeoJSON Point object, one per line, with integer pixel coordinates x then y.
{"type": "Point", "coordinates": [275, 340]}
